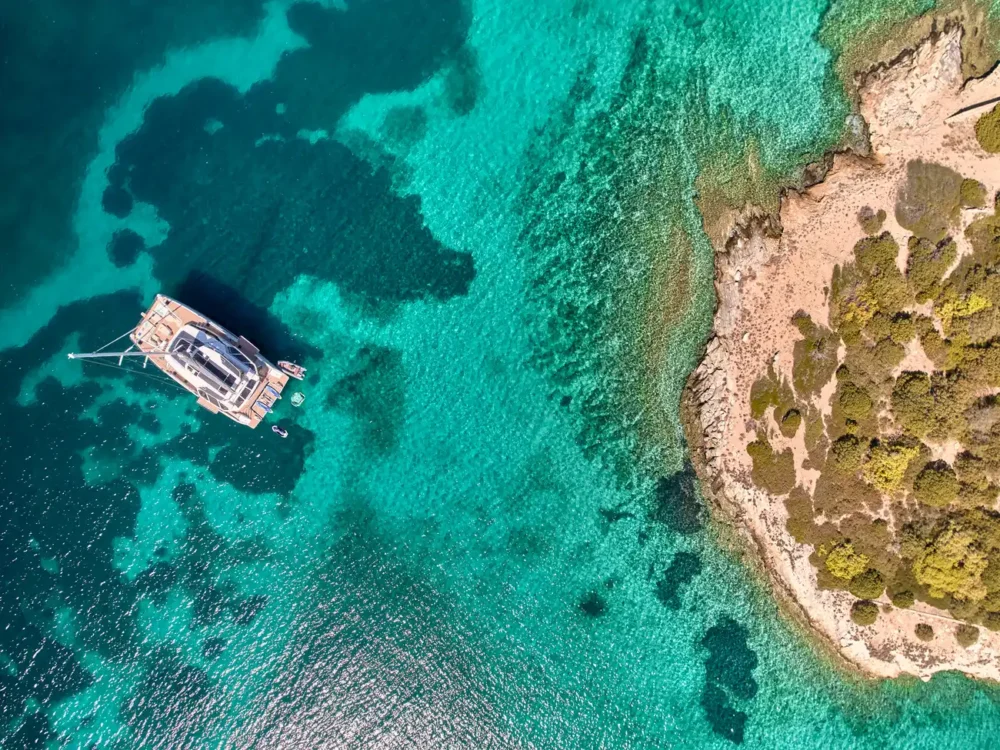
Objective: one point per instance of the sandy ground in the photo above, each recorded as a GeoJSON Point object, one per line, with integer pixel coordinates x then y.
{"type": "Point", "coordinates": [910, 109]}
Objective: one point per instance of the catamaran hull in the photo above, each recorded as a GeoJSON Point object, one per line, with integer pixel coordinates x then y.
{"type": "Point", "coordinates": [234, 379]}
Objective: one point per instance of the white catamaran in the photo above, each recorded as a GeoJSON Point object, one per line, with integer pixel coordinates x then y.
{"type": "Point", "coordinates": [225, 372]}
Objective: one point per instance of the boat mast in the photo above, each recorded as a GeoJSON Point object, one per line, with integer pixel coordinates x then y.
{"type": "Point", "coordinates": [100, 353]}
{"type": "Point", "coordinates": [94, 355]}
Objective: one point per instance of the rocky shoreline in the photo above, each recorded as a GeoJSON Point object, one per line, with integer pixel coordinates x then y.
{"type": "Point", "coordinates": [767, 268]}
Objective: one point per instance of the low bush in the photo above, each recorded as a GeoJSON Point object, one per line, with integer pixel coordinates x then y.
{"type": "Point", "coordinates": [926, 265]}
{"type": "Point", "coordinates": [966, 635]}
{"type": "Point", "coordinates": [770, 390]}
{"type": "Point", "coordinates": [952, 563]}
{"type": "Point", "coordinates": [984, 235]}
{"type": "Point", "coordinates": [887, 354]}
{"type": "Point", "coordinates": [837, 494]}
{"type": "Point", "coordinates": [902, 329]}
{"type": "Point", "coordinates": [864, 613]}
{"type": "Point", "coordinates": [772, 472]}
{"type": "Point", "coordinates": [924, 632]}
{"type": "Point", "coordinates": [887, 464]}
{"type": "Point", "coordinates": [929, 203]}
{"type": "Point", "coordinates": [815, 438]}
{"type": "Point", "coordinates": [763, 394]}
{"type": "Point", "coordinates": [814, 357]}
{"type": "Point", "coordinates": [790, 423]}
{"type": "Point", "coordinates": [868, 584]}
{"type": "Point", "coordinates": [871, 221]}
{"type": "Point", "coordinates": [935, 347]}
{"type": "Point", "coordinates": [854, 403]}
{"type": "Point", "coordinates": [902, 599]}
{"type": "Point", "coordinates": [847, 453]}
{"type": "Point", "coordinates": [973, 194]}
{"type": "Point", "coordinates": [936, 485]}
{"type": "Point", "coordinates": [913, 403]}
{"type": "Point", "coordinates": [988, 131]}
{"type": "Point", "coordinates": [844, 563]}
{"type": "Point", "coordinates": [875, 254]}
{"type": "Point", "coordinates": [800, 516]}
{"type": "Point", "coordinates": [878, 327]}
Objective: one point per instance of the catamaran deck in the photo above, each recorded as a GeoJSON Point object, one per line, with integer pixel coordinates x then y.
{"type": "Point", "coordinates": [157, 331]}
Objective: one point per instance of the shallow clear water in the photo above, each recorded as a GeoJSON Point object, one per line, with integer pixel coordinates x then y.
{"type": "Point", "coordinates": [475, 224]}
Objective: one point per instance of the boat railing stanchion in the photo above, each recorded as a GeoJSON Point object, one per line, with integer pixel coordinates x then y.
{"type": "Point", "coordinates": [122, 358]}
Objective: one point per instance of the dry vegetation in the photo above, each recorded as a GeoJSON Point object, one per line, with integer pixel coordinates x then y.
{"type": "Point", "coordinates": [887, 514]}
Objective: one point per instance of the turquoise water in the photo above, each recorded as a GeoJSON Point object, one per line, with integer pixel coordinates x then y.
{"type": "Point", "coordinates": [475, 224]}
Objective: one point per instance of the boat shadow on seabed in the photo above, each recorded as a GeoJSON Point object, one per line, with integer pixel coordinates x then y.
{"type": "Point", "coordinates": [229, 308]}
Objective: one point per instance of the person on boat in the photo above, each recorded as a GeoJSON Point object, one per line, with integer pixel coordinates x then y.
{"type": "Point", "coordinates": [280, 431]}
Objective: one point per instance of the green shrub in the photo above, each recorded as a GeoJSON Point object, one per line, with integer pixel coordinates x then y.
{"type": "Point", "coordinates": [790, 423]}
{"type": "Point", "coordinates": [848, 452]}
{"type": "Point", "coordinates": [854, 402]}
{"type": "Point", "coordinates": [844, 563]}
{"type": "Point", "coordinates": [966, 635]}
{"type": "Point", "coordinates": [930, 201]}
{"type": "Point", "coordinates": [769, 390]}
{"type": "Point", "coordinates": [874, 284]}
{"type": "Point", "coordinates": [952, 563]}
{"type": "Point", "coordinates": [913, 403]}
{"type": "Point", "coordinates": [984, 235]}
{"type": "Point", "coordinates": [964, 610]}
{"type": "Point", "coordinates": [875, 254]}
{"type": "Point", "coordinates": [838, 494]}
{"type": "Point", "coordinates": [936, 485]}
{"type": "Point", "coordinates": [903, 599]}
{"type": "Point", "coordinates": [924, 632]}
{"type": "Point", "coordinates": [889, 290]}
{"type": "Point", "coordinates": [851, 303]}
{"type": "Point", "coordinates": [934, 346]}
{"type": "Point", "coordinates": [926, 266]}
{"type": "Point", "coordinates": [772, 472]}
{"type": "Point", "coordinates": [887, 354]}
{"type": "Point", "coordinates": [970, 468]}
{"type": "Point", "coordinates": [961, 307]}
{"type": "Point", "coordinates": [872, 537]}
{"type": "Point", "coordinates": [763, 393]}
{"type": "Point", "coordinates": [911, 542]}
{"type": "Point", "coordinates": [850, 335]}
{"type": "Point", "coordinates": [871, 221]}
{"type": "Point", "coordinates": [868, 584]}
{"type": "Point", "coordinates": [903, 329]}
{"type": "Point", "coordinates": [978, 495]}
{"type": "Point", "coordinates": [973, 194]}
{"type": "Point", "coordinates": [878, 327]}
{"type": "Point", "coordinates": [992, 621]}
{"type": "Point", "coordinates": [988, 131]}
{"type": "Point", "coordinates": [815, 438]}
{"type": "Point", "coordinates": [991, 578]}
{"type": "Point", "coordinates": [814, 358]}
{"type": "Point", "coordinates": [886, 465]}
{"type": "Point", "coordinates": [864, 613]}
{"type": "Point", "coordinates": [800, 516]}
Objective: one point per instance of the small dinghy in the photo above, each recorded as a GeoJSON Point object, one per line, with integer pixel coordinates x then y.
{"type": "Point", "coordinates": [291, 369]}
